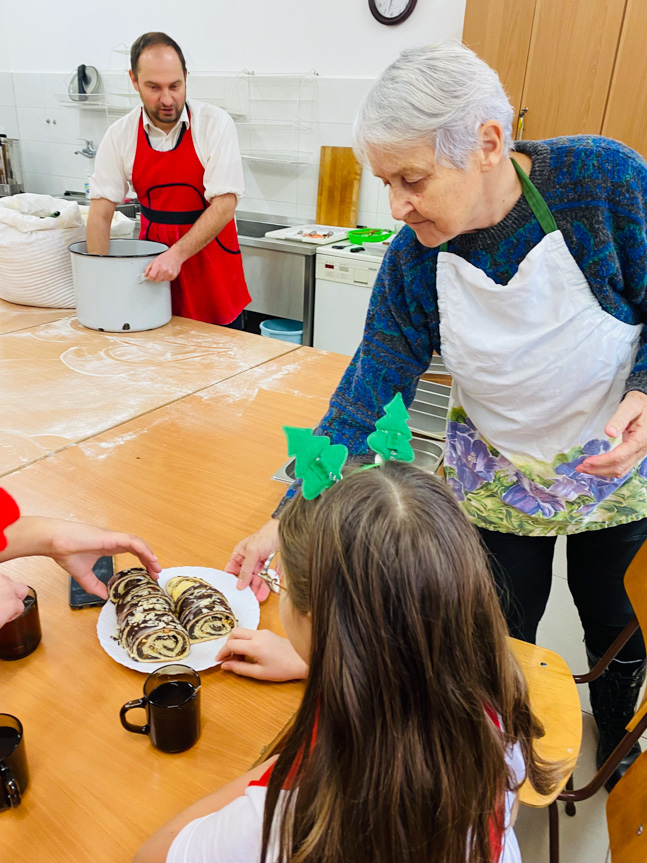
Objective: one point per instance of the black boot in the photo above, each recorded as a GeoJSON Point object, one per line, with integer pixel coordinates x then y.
{"type": "Point", "coordinates": [613, 701]}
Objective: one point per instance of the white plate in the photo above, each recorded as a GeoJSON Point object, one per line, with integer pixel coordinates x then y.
{"type": "Point", "coordinates": [301, 233]}
{"type": "Point", "coordinates": [243, 604]}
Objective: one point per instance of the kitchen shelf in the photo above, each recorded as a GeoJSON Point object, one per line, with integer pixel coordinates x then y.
{"type": "Point", "coordinates": [272, 111]}
{"type": "Point", "coordinates": [291, 157]}
{"type": "Point", "coordinates": [105, 102]}
{"type": "Point", "coordinates": [278, 116]}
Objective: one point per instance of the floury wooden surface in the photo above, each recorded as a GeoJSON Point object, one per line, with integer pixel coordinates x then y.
{"type": "Point", "coordinates": [14, 317]}
{"type": "Point", "coordinates": [61, 383]}
{"type": "Point", "coordinates": [193, 478]}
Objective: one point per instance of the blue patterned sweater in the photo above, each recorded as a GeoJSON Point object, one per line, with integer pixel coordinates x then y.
{"type": "Point", "coordinates": [596, 190]}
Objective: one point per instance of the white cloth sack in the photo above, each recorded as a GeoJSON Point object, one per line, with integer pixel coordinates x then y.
{"type": "Point", "coordinates": [35, 264]}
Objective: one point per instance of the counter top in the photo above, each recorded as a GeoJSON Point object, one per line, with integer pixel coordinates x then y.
{"type": "Point", "coordinates": [61, 383]}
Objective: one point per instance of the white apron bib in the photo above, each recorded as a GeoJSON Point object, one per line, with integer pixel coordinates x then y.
{"type": "Point", "coordinates": [538, 369]}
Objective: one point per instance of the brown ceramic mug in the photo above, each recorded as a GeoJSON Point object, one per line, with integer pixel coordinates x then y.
{"type": "Point", "coordinates": [14, 775]}
{"type": "Point", "coordinates": [21, 636]}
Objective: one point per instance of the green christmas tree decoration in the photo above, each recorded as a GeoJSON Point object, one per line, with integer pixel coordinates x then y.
{"type": "Point", "coordinates": [318, 462]}
{"type": "Point", "coordinates": [391, 437]}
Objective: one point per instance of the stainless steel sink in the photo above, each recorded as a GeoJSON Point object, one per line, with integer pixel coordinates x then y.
{"type": "Point", "coordinates": [280, 274]}
{"type": "Point", "coordinates": [252, 228]}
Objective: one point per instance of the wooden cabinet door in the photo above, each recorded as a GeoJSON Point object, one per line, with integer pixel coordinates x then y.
{"type": "Point", "coordinates": [626, 114]}
{"type": "Point", "coordinates": [499, 32]}
{"type": "Point", "coordinates": [572, 53]}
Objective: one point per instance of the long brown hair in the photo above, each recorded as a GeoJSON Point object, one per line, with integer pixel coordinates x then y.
{"type": "Point", "coordinates": [392, 756]}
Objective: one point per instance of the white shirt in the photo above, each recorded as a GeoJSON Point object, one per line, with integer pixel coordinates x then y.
{"type": "Point", "coordinates": [233, 834]}
{"type": "Point", "coordinates": [214, 138]}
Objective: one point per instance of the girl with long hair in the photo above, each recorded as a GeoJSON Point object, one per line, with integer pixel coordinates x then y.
{"type": "Point", "coordinates": [415, 730]}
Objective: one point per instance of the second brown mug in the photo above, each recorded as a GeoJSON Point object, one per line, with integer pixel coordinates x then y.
{"type": "Point", "coordinates": [172, 702]}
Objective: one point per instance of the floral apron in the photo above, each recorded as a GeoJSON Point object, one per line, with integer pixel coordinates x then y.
{"type": "Point", "coordinates": [538, 368]}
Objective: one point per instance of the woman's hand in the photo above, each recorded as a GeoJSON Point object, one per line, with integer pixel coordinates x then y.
{"type": "Point", "coordinates": [630, 421]}
{"type": "Point", "coordinates": [273, 657]}
{"type": "Point", "coordinates": [249, 556]}
{"type": "Point", "coordinates": [12, 594]}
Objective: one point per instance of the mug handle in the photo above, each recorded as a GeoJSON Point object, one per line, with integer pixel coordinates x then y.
{"type": "Point", "coordinates": [130, 705]}
{"type": "Point", "coordinates": [9, 782]}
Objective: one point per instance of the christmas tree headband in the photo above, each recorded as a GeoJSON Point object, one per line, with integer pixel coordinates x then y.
{"type": "Point", "coordinates": [319, 463]}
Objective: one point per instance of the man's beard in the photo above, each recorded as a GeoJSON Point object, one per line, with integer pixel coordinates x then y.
{"type": "Point", "coordinates": [167, 117]}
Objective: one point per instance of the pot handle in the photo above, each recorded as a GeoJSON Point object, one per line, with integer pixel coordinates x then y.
{"type": "Point", "coordinates": [141, 278]}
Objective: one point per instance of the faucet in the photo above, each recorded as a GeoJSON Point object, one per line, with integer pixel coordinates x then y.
{"type": "Point", "coordinates": [89, 151]}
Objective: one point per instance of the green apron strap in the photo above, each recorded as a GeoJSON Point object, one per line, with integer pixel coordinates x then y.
{"type": "Point", "coordinates": [535, 201]}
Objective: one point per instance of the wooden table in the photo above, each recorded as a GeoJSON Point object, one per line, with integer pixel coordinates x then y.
{"type": "Point", "coordinates": [174, 435]}
{"type": "Point", "coordinates": [14, 317]}
{"type": "Point", "coordinates": [192, 477]}
{"type": "Point", "coordinates": [61, 383]}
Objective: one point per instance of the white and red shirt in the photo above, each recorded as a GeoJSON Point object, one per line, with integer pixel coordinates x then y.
{"type": "Point", "coordinates": [214, 137]}
{"type": "Point", "coordinates": [234, 833]}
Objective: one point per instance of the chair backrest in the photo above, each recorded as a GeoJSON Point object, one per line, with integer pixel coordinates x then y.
{"type": "Point", "coordinates": [636, 587]}
{"type": "Point", "coordinates": [627, 815]}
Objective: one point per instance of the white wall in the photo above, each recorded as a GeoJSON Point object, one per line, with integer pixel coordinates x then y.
{"type": "Point", "coordinates": [42, 42]}
{"type": "Point", "coordinates": [337, 37]}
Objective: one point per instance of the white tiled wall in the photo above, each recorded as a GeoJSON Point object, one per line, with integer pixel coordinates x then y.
{"type": "Point", "coordinates": [50, 131]}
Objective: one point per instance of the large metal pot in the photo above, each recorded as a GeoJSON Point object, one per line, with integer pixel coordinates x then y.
{"type": "Point", "coordinates": [111, 291]}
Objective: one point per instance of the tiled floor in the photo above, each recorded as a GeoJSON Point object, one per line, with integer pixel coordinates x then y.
{"type": "Point", "coordinates": [583, 838]}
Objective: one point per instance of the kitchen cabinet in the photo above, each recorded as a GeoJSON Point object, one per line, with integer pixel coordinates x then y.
{"type": "Point", "coordinates": [626, 114]}
{"type": "Point", "coordinates": [499, 31]}
{"type": "Point", "coordinates": [573, 64]}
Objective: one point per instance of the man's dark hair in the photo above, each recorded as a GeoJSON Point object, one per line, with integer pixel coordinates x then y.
{"type": "Point", "coordinates": [150, 40]}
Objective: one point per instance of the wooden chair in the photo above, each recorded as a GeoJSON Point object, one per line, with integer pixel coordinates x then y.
{"type": "Point", "coordinates": [555, 701]}
{"type": "Point", "coordinates": [627, 815]}
{"type": "Point", "coordinates": [550, 712]}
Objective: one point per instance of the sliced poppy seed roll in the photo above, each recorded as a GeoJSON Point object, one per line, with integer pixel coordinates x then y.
{"type": "Point", "coordinates": [147, 627]}
{"type": "Point", "coordinates": [203, 611]}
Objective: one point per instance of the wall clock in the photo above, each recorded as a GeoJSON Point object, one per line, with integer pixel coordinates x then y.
{"type": "Point", "coordinates": [391, 11]}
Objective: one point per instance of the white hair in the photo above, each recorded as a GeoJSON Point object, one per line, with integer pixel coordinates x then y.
{"type": "Point", "coordinates": [439, 95]}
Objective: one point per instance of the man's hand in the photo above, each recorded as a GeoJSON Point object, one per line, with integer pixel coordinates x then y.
{"type": "Point", "coordinates": [250, 554]}
{"type": "Point", "coordinates": [272, 657]}
{"type": "Point", "coordinates": [12, 594]}
{"type": "Point", "coordinates": [630, 421]}
{"type": "Point", "coordinates": [165, 267]}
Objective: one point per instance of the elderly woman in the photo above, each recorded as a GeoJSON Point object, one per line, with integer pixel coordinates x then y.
{"type": "Point", "coordinates": [526, 269]}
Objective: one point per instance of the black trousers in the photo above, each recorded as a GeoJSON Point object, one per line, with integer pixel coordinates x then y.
{"type": "Point", "coordinates": [597, 561]}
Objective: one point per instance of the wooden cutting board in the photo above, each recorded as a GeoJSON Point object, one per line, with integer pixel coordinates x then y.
{"type": "Point", "coordinates": [338, 195]}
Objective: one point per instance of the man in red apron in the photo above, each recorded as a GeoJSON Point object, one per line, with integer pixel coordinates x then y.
{"type": "Point", "coordinates": [185, 167]}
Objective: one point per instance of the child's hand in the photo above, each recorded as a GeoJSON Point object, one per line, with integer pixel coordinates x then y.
{"type": "Point", "coordinates": [76, 547]}
{"type": "Point", "coordinates": [12, 594]}
{"type": "Point", "coordinates": [273, 657]}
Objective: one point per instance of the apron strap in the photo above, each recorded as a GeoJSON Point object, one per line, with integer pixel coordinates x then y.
{"type": "Point", "coordinates": [535, 201]}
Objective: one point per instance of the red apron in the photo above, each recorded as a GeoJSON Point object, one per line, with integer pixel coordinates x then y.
{"type": "Point", "coordinates": [170, 188]}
